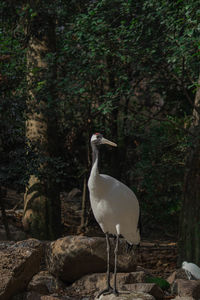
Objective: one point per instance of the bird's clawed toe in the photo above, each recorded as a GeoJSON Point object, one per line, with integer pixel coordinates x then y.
{"type": "Point", "coordinates": [109, 290]}
{"type": "Point", "coordinates": [115, 292]}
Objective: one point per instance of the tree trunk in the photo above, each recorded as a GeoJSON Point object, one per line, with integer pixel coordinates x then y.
{"type": "Point", "coordinates": [3, 213]}
{"type": "Point", "coordinates": [42, 212]}
{"type": "Point", "coordinates": [189, 229]}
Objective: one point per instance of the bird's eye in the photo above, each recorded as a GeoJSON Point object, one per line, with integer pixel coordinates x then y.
{"type": "Point", "coordinates": [98, 135]}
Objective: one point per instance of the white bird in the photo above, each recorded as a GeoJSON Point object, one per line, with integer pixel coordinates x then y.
{"type": "Point", "coordinates": [114, 206]}
{"type": "Point", "coordinates": [191, 270]}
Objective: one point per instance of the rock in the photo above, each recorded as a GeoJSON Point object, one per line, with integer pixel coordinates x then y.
{"type": "Point", "coordinates": [188, 288]}
{"type": "Point", "coordinates": [54, 297]}
{"type": "Point", "coordinates": [32, 295]}
{"type": "Point", "coordinates": [44, 283]}
{"type": "Point", "coordinates": [72, 257]}
{"type": "Point", "coordinates": [88, 284]}
{"type": "Point", "coordinates": [148, 288]}
{"type": "Point", "coordinates": [18, 264]}
{"type": "Point", "coordinates": [183, 298]}
{"type": "Point", "coordinates": [94, 283]}
{"type": "Point", "coordinates": [5, 245]}
{"type": "Point", "coordinates": [132, 277]}
{"type": "Point", "coordinates": [28, 296]}
{"type": "Point", "coordinates": [178, 274]}
{"type": "Point", "coordinates": [131, 296]}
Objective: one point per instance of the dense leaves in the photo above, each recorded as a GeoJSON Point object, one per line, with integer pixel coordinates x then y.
{"type": "Point", "coordinates": [124, 68]}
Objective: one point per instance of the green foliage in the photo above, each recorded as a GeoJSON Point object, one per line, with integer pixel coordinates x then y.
{"type": "Point", "coordinates": [159, 172]}
{"type": "Point", "coordinates": [123, 68]}
{"type": "Point", "coordinates": [162, 283]}
{"type": "Point", "coordinates": [12, 106]}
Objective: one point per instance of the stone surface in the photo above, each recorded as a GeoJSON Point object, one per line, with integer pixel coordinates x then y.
{"type": "Point", "coordinates": [183, 298]}
{"type": "Point", "coordinates": [18, 264]}
{"type": "Point", "coordinates": [178, 274]}
{"type": "Point", "coordinates": [93, 283]}
{"type": "Point", "coordinates": [148, 288]}
{"type": "Point", "coordinates": [44, 283]}
{"type": "Point", "coordinates": [22, 278]}
{"type": "Point", "coordinates": [27, 296]}
{"type": "Point", "coordinates": [188, 288]}
{"type": "Point", "coordinates": [32, 295]}
{"type": "Point", "coordinates": [131, 296]}
{"type": "Point", "coordinates": [72, 257]}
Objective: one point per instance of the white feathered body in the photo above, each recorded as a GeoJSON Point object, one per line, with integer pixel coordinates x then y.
{"type": "Point", "coordinates": [115, 206]}
{"type": "Point", "coordinates": [192, 269]}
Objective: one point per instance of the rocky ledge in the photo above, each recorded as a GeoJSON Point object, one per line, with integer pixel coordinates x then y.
{"type": "Point", "coordinates": [72, 268]}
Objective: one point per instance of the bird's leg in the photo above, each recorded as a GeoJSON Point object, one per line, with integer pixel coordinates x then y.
{"type": "Point", "coordinates": [115, 291]}
{"type": "Point", "coordinates": [108, 261]}
{"type": "Point", "coordinates": [129, 247]}
{"type": "Point", "coordinates": [108, 289]}
{"type": "Point", "coordinates": [189, 275]}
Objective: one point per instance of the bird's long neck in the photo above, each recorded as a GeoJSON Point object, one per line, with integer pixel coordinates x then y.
{"type": "Point", "coordinates": [95, 159]}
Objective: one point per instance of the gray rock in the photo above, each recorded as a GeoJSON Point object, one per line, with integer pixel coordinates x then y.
{"type": "Point", "coordinates": [183, 298]}
{"type": "Point", "coordinates": [72, 257]}
{"type": "Point", "coordinates": [148, 288]}
{"type": "Point", "coordinates": [92, 284]}
{"type": "Point", "coordinates": [18, 264]}
{"type": "Point", "coordinates": [188, 288]}
{"type": "Point", "coordinates": [178, 274]}
{"type": "Point", "coordinates": [131, 296]}
{"type": "Point", "coordinates": [44, 283]}
{"type": "Point", "coordinates": [32, 295]}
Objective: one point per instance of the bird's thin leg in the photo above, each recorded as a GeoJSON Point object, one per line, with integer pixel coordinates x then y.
{"type": "Point", "coordinates": [108, 260]}
{"type": "Point", "coordinates": [115, 291]}
{"type": "Point", "coordinates": [108, 289]}
{"type": "Point", "coordinates": [129, 247]}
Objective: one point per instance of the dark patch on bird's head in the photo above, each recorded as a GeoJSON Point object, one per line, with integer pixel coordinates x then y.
{"type": "Point", "coordinates": [96, 139]}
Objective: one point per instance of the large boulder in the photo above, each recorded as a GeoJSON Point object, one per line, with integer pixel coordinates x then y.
{"type": "Point", "coordinates": [131, 296]}
{"type": "Point", "coordinates": [183, 298]}
{"type": "Point", "coordinates": [188, 288]}
{"type": "Point", "coordinates": [18, 263]}
{"type": "Point", "coordinates": [72, 257]}
{"type": "Point", "coordinates": [44, 283]}
{"type": "Point", "coordinates": [32, 295]}
{"type": "Point", "coordinates": [133, 282]}
{"type": "Point", "coordinates": [147, 288]}
{"type": "Point", "coordinates": [172, 280]}
{"type": "Point", "coordinates": [92, 284]}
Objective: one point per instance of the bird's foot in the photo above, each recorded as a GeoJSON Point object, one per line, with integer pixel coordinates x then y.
{"type": "Point", "coordinates": [129, 247]}
{"type": "Point", "coordinates": [109, 290]}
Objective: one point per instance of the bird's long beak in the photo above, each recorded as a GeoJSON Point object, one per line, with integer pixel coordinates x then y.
{"type": "Point", "coordinates": [105, 141]}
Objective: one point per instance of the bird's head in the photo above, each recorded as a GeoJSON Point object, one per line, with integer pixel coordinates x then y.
{"type": "Point", "coordinates": [98, 139]}
{"type": "Point", "coordinates": [184, 264]}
